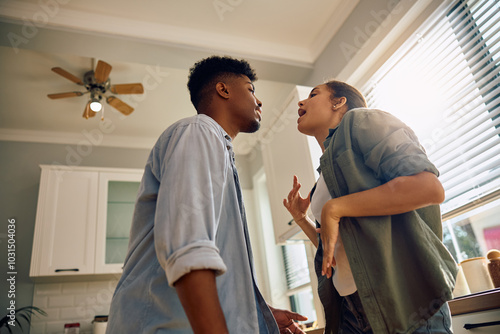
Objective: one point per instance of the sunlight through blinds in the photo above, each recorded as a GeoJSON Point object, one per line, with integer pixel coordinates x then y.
{"type": "Point", "coordinates": [445, 84]}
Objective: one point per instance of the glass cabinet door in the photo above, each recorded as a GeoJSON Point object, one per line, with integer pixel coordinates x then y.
{"type": "Point", "coordinates": [117, 194]}
{"type": "Point", "coordinates": [121, 202]}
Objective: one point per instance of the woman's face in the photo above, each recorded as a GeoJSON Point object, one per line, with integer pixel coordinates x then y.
{"type": "Point", "coordinates": [316, 114]}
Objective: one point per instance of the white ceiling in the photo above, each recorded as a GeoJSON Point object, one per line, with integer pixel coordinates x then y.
{"type": "Point", "coordinates": [153, 42]}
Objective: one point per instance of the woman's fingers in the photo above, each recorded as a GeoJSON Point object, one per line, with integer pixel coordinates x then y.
{"type": "Point", "coordinates": [294, 193]}
{"type": "Point", "coordinates": [296, 183]}
{"type": "Point", "coordinates": [328, 256]}
{"type": "Point", "coordinates": [329, 235]}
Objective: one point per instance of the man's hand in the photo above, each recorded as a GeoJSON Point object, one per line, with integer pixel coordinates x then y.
{"type": "Point", "coordinates": [285, 320]}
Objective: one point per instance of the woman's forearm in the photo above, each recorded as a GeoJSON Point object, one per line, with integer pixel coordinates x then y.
{"type": "Point", "coordinates": [309, 228]}
{"type": "Point", "coordinates": [402, 194]}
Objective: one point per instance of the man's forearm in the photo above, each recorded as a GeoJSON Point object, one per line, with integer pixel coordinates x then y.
{"type": "Point", "coordinates": [197, 292]}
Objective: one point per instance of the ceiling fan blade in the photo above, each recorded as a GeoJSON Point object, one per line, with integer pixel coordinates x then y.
{"type": "Point", "coordinates": [132, 88]}
{"type": "Point", "coordinates": [119, 105]}
{"type": "Point", "coordinates": [88, 112]}
{"type": "Point", "coordinates": [102, 71]}
{"type": "Point", "coordinates": [67, 75]}
{"type": "Point", "coordinates": [63, 95]}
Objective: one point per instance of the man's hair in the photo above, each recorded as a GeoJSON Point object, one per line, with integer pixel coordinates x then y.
{"type": "Point", "coordinates": [209, 71]}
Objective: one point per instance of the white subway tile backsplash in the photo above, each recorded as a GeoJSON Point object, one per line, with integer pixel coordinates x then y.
{"type": "Point", "coordinates": [61, 301]}
{"type": "Point", "coordinates": [72, 314]}
{"type": "Point", "coordinates": [102, 286]}
{"type": "Point", "coordinates": [40, 301]}
{"type": "Point", "coordinates": [48, 289]}
{"type": "Point", "coordinates": [83, 300]}
{"type": "Point", "coordinates": [52, 313]}
{"type": "Point", "coordinates": [104, 297]}
{"type": "Point", "coordinates": [74, 288]}
{"type": "Point", "coordinates": [71, 302]}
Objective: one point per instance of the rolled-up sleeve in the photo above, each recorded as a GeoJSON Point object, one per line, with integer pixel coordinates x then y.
{"type": "Point", "coordinates": [192, 172]}
{"type": "Point", "coordinates": [389, 147]}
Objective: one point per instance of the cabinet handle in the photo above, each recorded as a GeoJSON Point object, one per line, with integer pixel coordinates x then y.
{"type": "Point", "coordinates": [59, 270]}
{"type": "Point", "coordinates": [482, 324]}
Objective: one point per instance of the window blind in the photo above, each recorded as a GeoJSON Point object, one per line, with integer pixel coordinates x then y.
{"type": "Point", "coordinates": [296, 267]}
{"type": "Point", "coordinates": [445, 84]}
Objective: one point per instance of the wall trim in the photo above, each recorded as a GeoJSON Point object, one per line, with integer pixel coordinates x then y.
{"type": "Point", "coordinates": [68, 138]}
{"type": "Point", "coordinates": [325, 37]}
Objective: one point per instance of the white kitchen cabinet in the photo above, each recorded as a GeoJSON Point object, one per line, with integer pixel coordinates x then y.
{"type": "Point", "coordinates": [476, 313]}
{"type": "Point", "coordinates": [65, 223]}
{"type": "Point", "coordinates": [79, 228]}
{"type": "Point", "coordinates": [285, 153]}
{"type": "Point", "coordinates": [484, 322]}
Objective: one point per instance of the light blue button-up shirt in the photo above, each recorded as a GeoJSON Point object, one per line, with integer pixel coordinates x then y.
{"type": "Point", "coordinates": [188, 216]}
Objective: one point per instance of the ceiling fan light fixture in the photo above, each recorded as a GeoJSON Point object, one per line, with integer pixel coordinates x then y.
{"type": "Point", "coordinates": [95, 106]}
{"type": "Point", "coordinates": [97, 83]}
{"type": "Point", "coordinates": [95, 102]}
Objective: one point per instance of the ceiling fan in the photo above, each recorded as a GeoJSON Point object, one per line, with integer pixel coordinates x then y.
{"type": "Point", "coordinates": [98, 84]}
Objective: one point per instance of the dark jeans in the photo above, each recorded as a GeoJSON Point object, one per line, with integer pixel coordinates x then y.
{"type": "Point", "coordinates": [354, 319]}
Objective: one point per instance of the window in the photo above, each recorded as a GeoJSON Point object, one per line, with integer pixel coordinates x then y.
{"type": "Point", "coordinates": [285, 279]}
{"type": "Point", "coordinates": [298, 280]}
{"type": "Point", "coordinates": [445, 84]}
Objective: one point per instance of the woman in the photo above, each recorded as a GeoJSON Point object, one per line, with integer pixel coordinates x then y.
{"type": "Point", "coordinates": [380, 262]}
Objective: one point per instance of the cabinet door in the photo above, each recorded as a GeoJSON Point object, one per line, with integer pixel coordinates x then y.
{"type": "Point", "coordinates": [66, 223]}
{"type": "Point", "coordinates": [285, 153]}
{"type": "Point", "coordinates": [117, 194]}
{"type": "Point", "coordinates": [484, 322]}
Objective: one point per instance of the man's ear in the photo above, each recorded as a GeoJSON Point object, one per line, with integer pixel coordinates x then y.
{"type": "Point", "coordinates": [222, 90]}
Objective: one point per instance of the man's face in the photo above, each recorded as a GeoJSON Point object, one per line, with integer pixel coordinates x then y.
{"type": "Point", "coordinates": [246, 108]}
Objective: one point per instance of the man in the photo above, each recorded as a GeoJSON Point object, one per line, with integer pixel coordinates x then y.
{"type": "Point", "coordinates": [189, 264]}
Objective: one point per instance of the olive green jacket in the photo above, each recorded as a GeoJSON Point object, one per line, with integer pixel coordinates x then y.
{"type": "Point", "coordinates": [402, 270]}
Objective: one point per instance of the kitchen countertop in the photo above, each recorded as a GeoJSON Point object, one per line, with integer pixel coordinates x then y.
{"type": "Point", "coordinates": [476, 302]}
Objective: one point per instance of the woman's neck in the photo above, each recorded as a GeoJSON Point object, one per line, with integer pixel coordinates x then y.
{"type": "Point", "coordinates": [320, 138]}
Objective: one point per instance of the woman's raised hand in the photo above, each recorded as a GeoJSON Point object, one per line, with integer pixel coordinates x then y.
{"type": "Point", "coordinates": [295, 203]}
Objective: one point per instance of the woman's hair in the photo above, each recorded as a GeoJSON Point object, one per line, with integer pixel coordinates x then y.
{"type": "Point", "coordinates": [340, 89]}
{"type": "Point", "coordinates": [214, 68]}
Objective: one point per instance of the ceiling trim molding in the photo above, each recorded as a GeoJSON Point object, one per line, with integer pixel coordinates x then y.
{"type": "Point", "coordinates": [66, 19]}
{"type": "Point", "coordinates": [345, 9]}
{"type": "Point", "coordinates": [82, 140]}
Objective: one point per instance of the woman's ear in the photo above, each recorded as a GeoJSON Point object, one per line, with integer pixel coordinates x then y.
{"type": "Point", "coordinates": [222, 90]}
{"type": "Point", "coordinates": [339, 102]}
